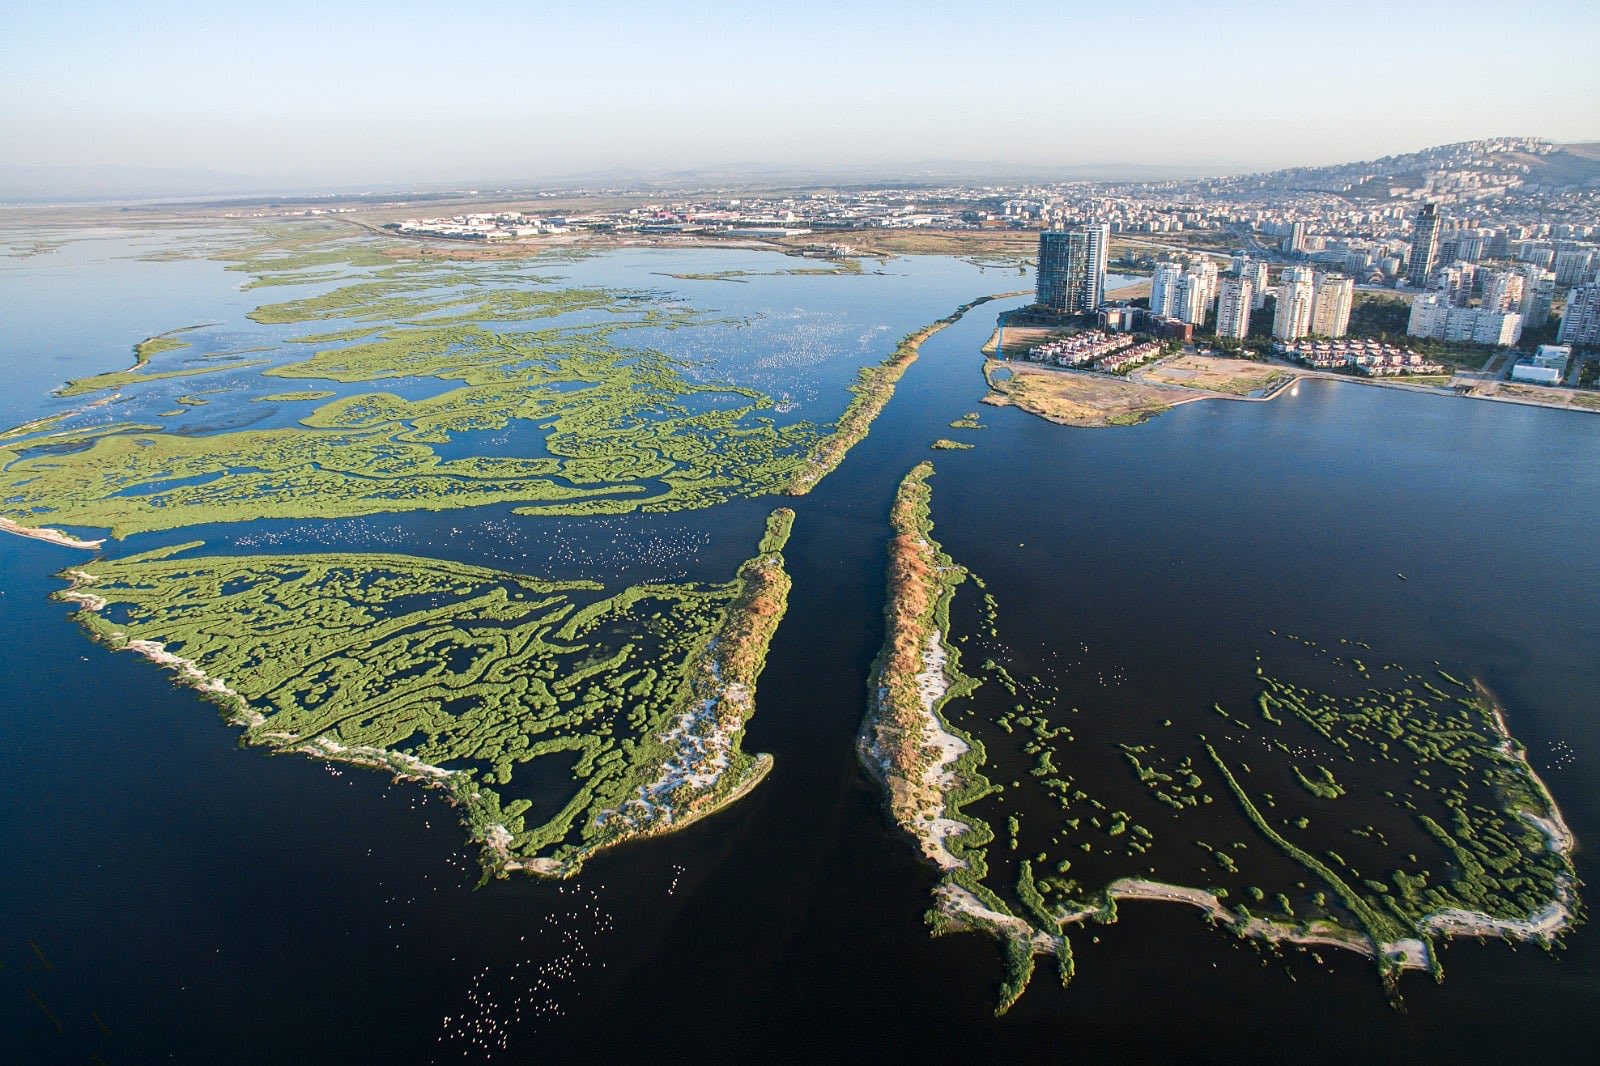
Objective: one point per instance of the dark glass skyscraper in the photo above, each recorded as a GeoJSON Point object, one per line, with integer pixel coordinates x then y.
{"type": "Point", "coordinates": [1072, 269]}
{"type": "Point", "coordinates": [1424, 246]}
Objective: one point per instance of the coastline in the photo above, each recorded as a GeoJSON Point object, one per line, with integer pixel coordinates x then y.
{"type": "Point", "coordinates": [189, 674]}
{"type": "Point", "coordinates": [1167, 395]}
{"type": "Point", "coordinates": [51, 536]}
{"type": "Point", "coordinates": [704, 755]}
{"type": "Point", "coordinates": [691, 770]}
{"type": "Point", "coordinates": [873, 388]}
{"type": "Point", "coordinates": [924, 767]}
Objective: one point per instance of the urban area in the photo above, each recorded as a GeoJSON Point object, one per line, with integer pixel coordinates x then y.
{"type": "Point", "coordinates": [1480, 259]}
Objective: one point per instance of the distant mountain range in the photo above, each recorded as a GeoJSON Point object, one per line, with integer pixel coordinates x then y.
{"type": "Point", "coordinates": [63, 184]}
{"type": "Point", "coordinates": [1470, 168]}
{"type": "Point", "coordinates": [1467, 168]}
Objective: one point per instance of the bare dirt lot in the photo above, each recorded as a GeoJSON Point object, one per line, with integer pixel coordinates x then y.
{"type": "Point", "coordinates": [1237, 377]}
{"type": "Point", "coordinates": [1074, 399]}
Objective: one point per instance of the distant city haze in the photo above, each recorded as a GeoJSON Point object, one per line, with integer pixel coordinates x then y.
{"type": "Point", "coordinates": [224, 97]}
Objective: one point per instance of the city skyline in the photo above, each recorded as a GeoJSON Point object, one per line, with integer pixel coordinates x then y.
{"type": "Point", "coordinates": [319, 97]}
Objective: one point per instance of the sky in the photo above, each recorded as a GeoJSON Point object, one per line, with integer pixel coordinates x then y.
{"type": "Point", "coordinates": [333, 93]}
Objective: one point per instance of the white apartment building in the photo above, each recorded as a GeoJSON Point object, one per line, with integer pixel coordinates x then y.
{"type": "Point", "coordinates": [1502, 292]}
{"type": "Point", "coordinates": [1257, 273]}
{"type": "Point", "coordinates": [1164, 289]}
{"type": "Point", "coordinates": [1573, 267]}
{"type": "Point", "coordinates": [1581, 323]}
{"type": "Point", "coordinates": [1254, 271]}
{"type": "Point", "coordinates": [1292, 319]}
{"type": "Point", "coordinates": [1196, 291]}
{"type": "Point", "coordinates": [1331, 299]}
{"type": "Point", "coordinates": [1538, 294]}
{"type": "Point", "coordinates": [1434, 317]}
{"type": "Point", "coordinates": [1234, 303]}
{"type": "Point", "coordinates": [1184, 291]}
{"type": "Point", "coordinates": [1456, 281]}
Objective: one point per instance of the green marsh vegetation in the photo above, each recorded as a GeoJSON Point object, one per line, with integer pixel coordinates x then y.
{"type": "Point", "coordinates": [835, 268]}
{"type": "Point", "coordinates": [624, 428]}
{"type": "Point", "coordinates": [873, 389]}
{"type": "Point", "coordinates": [619, 435]}
{"type": "Point", "coordinates": [294, 396]}
{"type": "Point", "coordinates": [543, 708]}
{"type": "Point", "coordinates": [561, 717]}
{"type": "Point", "coordinates": [1381, 811]}
{"type": "Point", "coordinates": [151, 347]}
{"type": "Point", "coordinates": [143, 353]}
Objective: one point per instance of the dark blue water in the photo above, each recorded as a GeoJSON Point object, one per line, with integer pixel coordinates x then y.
{"type": "Point", "coordinates": [194, 902]}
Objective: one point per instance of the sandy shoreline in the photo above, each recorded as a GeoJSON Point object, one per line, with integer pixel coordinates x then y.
{"type": "Point", "coordinates": [1173, 394]}
{"type": "Point", "coordinates": [1406, 953]}
{"type": "Point", "coordinates": [189, 673]}
{"type": "Point", "coordinates": [52, 536]}
{"type": "Point", "coordinates": [932, 684]}
{"type": "Point", "coordinates": [933, 827]}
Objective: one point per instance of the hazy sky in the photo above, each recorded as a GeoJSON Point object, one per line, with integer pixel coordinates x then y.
{"type": "Point", "coordinates": [332, 92]}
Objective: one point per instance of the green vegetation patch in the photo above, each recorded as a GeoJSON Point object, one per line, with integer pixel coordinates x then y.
{"type": "Point", "coordinates": [151, 347]}
{"type": "Point", "coordinates": [1380, 812]}
{"type": "Point", "coordinates": [873, 389]}
{"type": "Point", "coordinates": [119, 379]}
{"type": "Point", "coordinates": [623, 429]}
{"type": "Point", "coordinates": [560, 719]}
{"type": "Point", "coordinates": [296, 396]}
{"type": "Point", "coordinates": [610, 428]}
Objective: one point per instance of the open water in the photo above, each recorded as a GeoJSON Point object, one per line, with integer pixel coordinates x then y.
{"type": "Point", "coordinates": [167, 896]}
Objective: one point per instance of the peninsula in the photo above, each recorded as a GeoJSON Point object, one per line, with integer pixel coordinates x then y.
{"type": "Point", "coordinates": [470, 680]}
{"type": "Point", "coordinates": [1485, 850]}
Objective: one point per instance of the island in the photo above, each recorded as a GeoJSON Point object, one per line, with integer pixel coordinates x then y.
{"type": "Point", "coordinates": [1470, 841]}
{"type": "Point", "coordinates": [560, 719]}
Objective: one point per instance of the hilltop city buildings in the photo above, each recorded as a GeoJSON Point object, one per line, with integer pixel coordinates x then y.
{"type": "Point", "coordinates": [1483, 242]}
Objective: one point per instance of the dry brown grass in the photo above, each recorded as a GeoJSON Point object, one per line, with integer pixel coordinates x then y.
{"type": "Point", "coordinates": [914, 585]}
{"type": "Point", "coordinates": [1138, 290]}
{"type": "Point", "coordinates": [1021, 338]}
{"type": "Point", "coordinates": [1548, 395]}
{"type": "Point", "coordinates": [1078, 399]}
{"type": "Point", "coordinates": [909, 601]}
{"type": "Point", "coordinates": [1020, 244]}
{"type": "Point", "coordinates": [754, 616]}
{"type": "Point", "coordinates": [1237, 377]}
